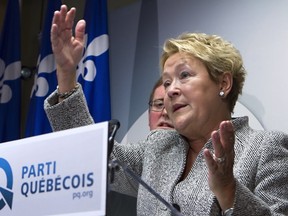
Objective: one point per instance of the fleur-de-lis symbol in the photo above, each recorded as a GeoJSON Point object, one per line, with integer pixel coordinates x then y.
{"type": "Point", "coordinates": [41, 85]}
{"type": "Point", "coordinates": [11, 72]}
{"type": "Point", "coordinates": [86, 66]}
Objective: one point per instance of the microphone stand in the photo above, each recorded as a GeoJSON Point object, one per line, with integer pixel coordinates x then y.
{"type": "Point", "coordinates": [116, 165]}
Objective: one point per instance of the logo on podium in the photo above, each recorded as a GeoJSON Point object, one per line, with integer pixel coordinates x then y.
{"type": "Point", "coordinates": [50, 173]}
{"type": "Point", "coordinates": [6, 192]}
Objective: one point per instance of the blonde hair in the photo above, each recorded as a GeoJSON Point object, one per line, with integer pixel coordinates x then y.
{"type": "Point", "coordinates": [217, 55]}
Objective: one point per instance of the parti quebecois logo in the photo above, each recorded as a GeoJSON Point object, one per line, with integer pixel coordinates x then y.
{"type": "Point", "coordinates": [6, 190]}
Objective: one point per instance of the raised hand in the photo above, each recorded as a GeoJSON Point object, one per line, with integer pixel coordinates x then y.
{"type": "Point", "coordinates": [220, 165]}
{"type": "Point", "coordinates": [67, 49]}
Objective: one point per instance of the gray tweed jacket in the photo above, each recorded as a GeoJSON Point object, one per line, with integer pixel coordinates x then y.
{"type": "Point", "coordinates": [260, 167]}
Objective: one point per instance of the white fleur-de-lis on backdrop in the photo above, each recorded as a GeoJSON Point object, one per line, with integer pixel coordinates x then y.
{"type": "Point", "coordinates": [41, 85]}
{"type": "Point", "coordinates": [97, 47]}
{"type": "Point", "coordinates": [11, 72]}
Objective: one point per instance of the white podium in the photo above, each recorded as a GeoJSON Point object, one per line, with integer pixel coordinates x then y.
{"type": "Point", "coordinates": [61, 173]}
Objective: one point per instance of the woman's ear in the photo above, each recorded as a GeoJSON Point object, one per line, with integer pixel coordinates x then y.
{"type": "Point", "coordinates": [226, 82]}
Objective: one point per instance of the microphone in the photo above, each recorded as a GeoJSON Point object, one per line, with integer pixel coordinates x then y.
{"type": "Point", "coordinates": [113, 126]}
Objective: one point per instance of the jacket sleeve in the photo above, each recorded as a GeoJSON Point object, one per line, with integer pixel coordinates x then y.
{"type": "Point", "coordinates": [70, 113]}
{"type": "Point", "coordinates": [270, 193]}
{"type": "Point", "coordinates": [130, 155]}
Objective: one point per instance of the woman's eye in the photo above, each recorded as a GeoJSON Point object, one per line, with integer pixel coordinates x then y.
{"type": "Point", "coordinates": [184, 75]}
{"type": "Point", "coordinates": [166, 84]}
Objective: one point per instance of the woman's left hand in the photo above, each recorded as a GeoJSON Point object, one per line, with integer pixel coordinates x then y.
{"type": "Point", "coordinates": [220, 165]}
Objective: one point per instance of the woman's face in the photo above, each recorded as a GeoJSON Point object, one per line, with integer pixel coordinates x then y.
{"type": "Point", "coordinates": [192, 99]}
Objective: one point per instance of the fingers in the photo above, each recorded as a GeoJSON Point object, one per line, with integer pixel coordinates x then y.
{"type": "Point", "coordinates": [212, 165]}
{"type": "Point", "coordinates": [54, 27]}
{"type": "Point", "coordinates": [223, 140]}
{"type": "Point", "coordinates": [218, 148]}
{"type": "Point", "coordinates": [53, 37]}
{"type": "Point", "coordinates": [69, 17]}
{"type": "Point", "coordinates": [61, 29]}
{"type": "Point", "coordinates": [63, 19]}
{"type": "Point", "coordinates": [59, 16]}
{"type": "Point", "coordinates": [80, 31]}
{"type": "Point", "coordinates": [227, 136]}
{"type": "Point", "coordinates": [223, 144]}
{"type": "Point", "coordinates": [220, 164]}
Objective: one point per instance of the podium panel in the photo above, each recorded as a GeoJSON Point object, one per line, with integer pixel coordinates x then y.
{"type": "Point", "coordinates": [61, 173]}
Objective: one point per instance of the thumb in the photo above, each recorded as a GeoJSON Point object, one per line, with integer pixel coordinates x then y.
{"type": "Point", "coordinates": [80, 31]}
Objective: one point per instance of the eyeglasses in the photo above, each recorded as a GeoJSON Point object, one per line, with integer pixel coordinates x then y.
{"type": "Point", "coordinates": [156, 105]}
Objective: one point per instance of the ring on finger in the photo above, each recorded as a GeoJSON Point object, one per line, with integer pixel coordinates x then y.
{"type": "Point", "coordinates": [219, 160]}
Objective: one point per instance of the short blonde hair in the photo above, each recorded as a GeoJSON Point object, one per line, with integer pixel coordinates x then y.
{"type": "Point", "coordinates": [217, 55]}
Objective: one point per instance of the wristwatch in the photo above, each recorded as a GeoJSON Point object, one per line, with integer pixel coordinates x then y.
{"type": "Point", "coordinates": [228, 212]}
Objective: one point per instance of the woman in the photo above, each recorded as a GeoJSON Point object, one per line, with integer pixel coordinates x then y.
{"type": "Point", "coordinates": [211, 164]}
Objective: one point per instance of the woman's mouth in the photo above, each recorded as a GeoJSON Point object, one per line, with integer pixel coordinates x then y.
{"type": "Point", "coordinates": [176, 107]}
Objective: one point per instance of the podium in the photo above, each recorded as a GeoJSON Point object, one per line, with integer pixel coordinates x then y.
{"type": "Point", "coordinates": [60, 173]}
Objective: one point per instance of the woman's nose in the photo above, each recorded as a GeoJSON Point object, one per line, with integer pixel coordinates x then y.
{"type": "Point", "coordinates": [173, 90]}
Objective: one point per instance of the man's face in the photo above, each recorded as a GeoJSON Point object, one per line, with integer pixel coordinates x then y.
{"type": "Point", "coordinates": [159, 119]}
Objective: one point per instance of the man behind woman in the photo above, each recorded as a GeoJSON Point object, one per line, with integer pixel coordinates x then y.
{"type": "Point", "coordinates": [119, 204]}
{"type": "Point", "coordinates": [210, 164]}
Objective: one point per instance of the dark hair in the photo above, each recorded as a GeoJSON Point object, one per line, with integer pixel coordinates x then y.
{"type": "Point", "coordinates": [156, 85]}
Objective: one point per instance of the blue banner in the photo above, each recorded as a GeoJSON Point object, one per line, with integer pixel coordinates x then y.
{"type": "Point", "coordinates": [93, 69]}
{"type": "Point", "coordinates": [10, 73]}
{"type": "Point", "coordinates": [45, 80]}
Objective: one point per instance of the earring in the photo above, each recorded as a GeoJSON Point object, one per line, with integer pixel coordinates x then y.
{"type": "Point", "coordinates": [221, 93]}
